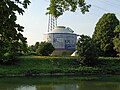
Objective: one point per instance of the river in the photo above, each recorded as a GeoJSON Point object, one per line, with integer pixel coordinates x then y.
{"type": "Point", "coordinates": [61, 83]}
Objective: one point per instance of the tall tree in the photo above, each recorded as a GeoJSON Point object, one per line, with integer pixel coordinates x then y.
{"type": "Point", "coordinates": [58, 7]}
{"type": "Point", "coordinates": [116, 40]}
{"type": "Point", "coordinates": [104, 34]}
{"type": "Point", "coordinates": [11, 37]}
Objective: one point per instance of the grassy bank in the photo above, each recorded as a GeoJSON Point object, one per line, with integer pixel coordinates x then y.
{"type": "Point", "coordinates": [36, 65]}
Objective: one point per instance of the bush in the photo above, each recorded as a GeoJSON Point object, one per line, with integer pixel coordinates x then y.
{"type": "Point", "coordinates": [45, 49]}
{"type": "Point", "coordinates": [87, 50]}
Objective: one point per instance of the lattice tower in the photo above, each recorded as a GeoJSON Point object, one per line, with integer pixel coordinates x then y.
{"type": "Point", "coordinates": [52, 23]}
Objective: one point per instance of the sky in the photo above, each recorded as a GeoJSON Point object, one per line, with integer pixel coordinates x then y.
{"type": "Point", "coordinates": [35, 21]}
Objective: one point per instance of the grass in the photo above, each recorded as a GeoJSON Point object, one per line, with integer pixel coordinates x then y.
{"type": "Point", "coordinates": [37, 65]}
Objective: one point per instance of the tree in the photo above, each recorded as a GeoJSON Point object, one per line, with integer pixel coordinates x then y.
{"type": "Point", "coordinates": [36, 45]}
{"type": "Point", "coordinates": [45, 49]}
{"type": "Point", "coordinates": [116, 40]}
{"type": "Point", "coordinates": [104, 34]}
{"type": "Point", "coordinates": [87, 50]}
{"type": "Point", "coordinates": [11, 37]}
{"type": "Point", "coordinates": [58, 7]}
{"type": "Point", "coordinates": [33, 48]}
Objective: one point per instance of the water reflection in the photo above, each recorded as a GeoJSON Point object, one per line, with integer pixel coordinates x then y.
{"type": "Point", "coordinates": [25, 88]}
{"type": "Point", "coordinates": [83, 86]}
{"type": "Point", "coordinates": [62, 83]}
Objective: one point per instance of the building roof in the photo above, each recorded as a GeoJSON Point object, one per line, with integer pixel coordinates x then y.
{"type": "Point", "coordinates": [62, 29]}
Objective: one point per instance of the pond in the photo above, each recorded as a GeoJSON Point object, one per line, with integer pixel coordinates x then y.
{"type": "Point", "coordinates": [61, 83]}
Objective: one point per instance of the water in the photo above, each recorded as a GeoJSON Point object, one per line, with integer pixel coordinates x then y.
{"type": "Point", "coordinates": [61, 83]}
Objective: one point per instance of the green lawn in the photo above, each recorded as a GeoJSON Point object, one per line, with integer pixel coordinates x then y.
{"type": "Point", "coordinates": [37, 65]}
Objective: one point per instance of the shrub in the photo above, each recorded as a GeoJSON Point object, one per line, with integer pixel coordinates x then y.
{"type": "Point", "coordinates": [87, 50]}
{"type": "Point", "coordinates": [45, 49]}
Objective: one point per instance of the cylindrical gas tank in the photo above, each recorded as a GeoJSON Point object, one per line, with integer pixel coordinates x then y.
{"type": "Point", "coordinates": [63, 39]}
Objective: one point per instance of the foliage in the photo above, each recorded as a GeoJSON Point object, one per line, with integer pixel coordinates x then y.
{"type": "Point", "coordinates": [36, 45]}
{"type": "Point", "coordinates": [11, 37]}
{"type": "Point", "coordinates": [57, 7]}
{"type": "Point", "coordinates": [87, 50]}
{"type": "Point", "coordinates": [116, 39]}
{"type": "Point", "coordinates": [104, 34]}
{"type": "Point", "coordinates": [33, 48]}
{"type": "Point", "coordinates": [45, 49]}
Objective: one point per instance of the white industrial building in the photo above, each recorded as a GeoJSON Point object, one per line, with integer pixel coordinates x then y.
{"type": "Point", "coordinates": [63, 39]}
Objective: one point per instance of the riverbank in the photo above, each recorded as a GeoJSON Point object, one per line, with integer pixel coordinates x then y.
{"type": "Point", "coordinates": [39, 66]}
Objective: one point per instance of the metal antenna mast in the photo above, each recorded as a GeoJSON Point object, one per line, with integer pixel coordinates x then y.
{"type": "Point", "coordinates": [52, 23]}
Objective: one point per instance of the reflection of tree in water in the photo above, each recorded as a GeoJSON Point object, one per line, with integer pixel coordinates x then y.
{"type": "Point", "coordinates": [90, 85]}
{"type": "Point", "coordinates": [58, 83]}
{"type": "Point", "coordinates": [6, 86]}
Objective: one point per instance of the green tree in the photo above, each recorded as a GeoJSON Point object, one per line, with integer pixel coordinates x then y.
{"type": "Point", "coordinates": [45, 49]}
{"type": "Point", "coordinates": [31, 50]}
{"type": "Point", "coordinates": [87, 50]}
{"type": "Point", "coordinates": [36, 45]}
{"type": "Point", "coordinates": [116, 40]}
{"type": "Point", "coordinates": [104, 34]}
{"type": "Point", "coordinates": [58, 7]}
{"type": "Point", "coordinates": [11, 37]}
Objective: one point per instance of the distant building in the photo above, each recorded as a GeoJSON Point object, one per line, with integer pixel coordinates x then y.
{"type": "Point", "coordinates": [63, 39]}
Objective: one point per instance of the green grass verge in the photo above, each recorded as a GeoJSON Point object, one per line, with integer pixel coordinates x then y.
{"type": "Point", "coordinates": [35, 65]}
